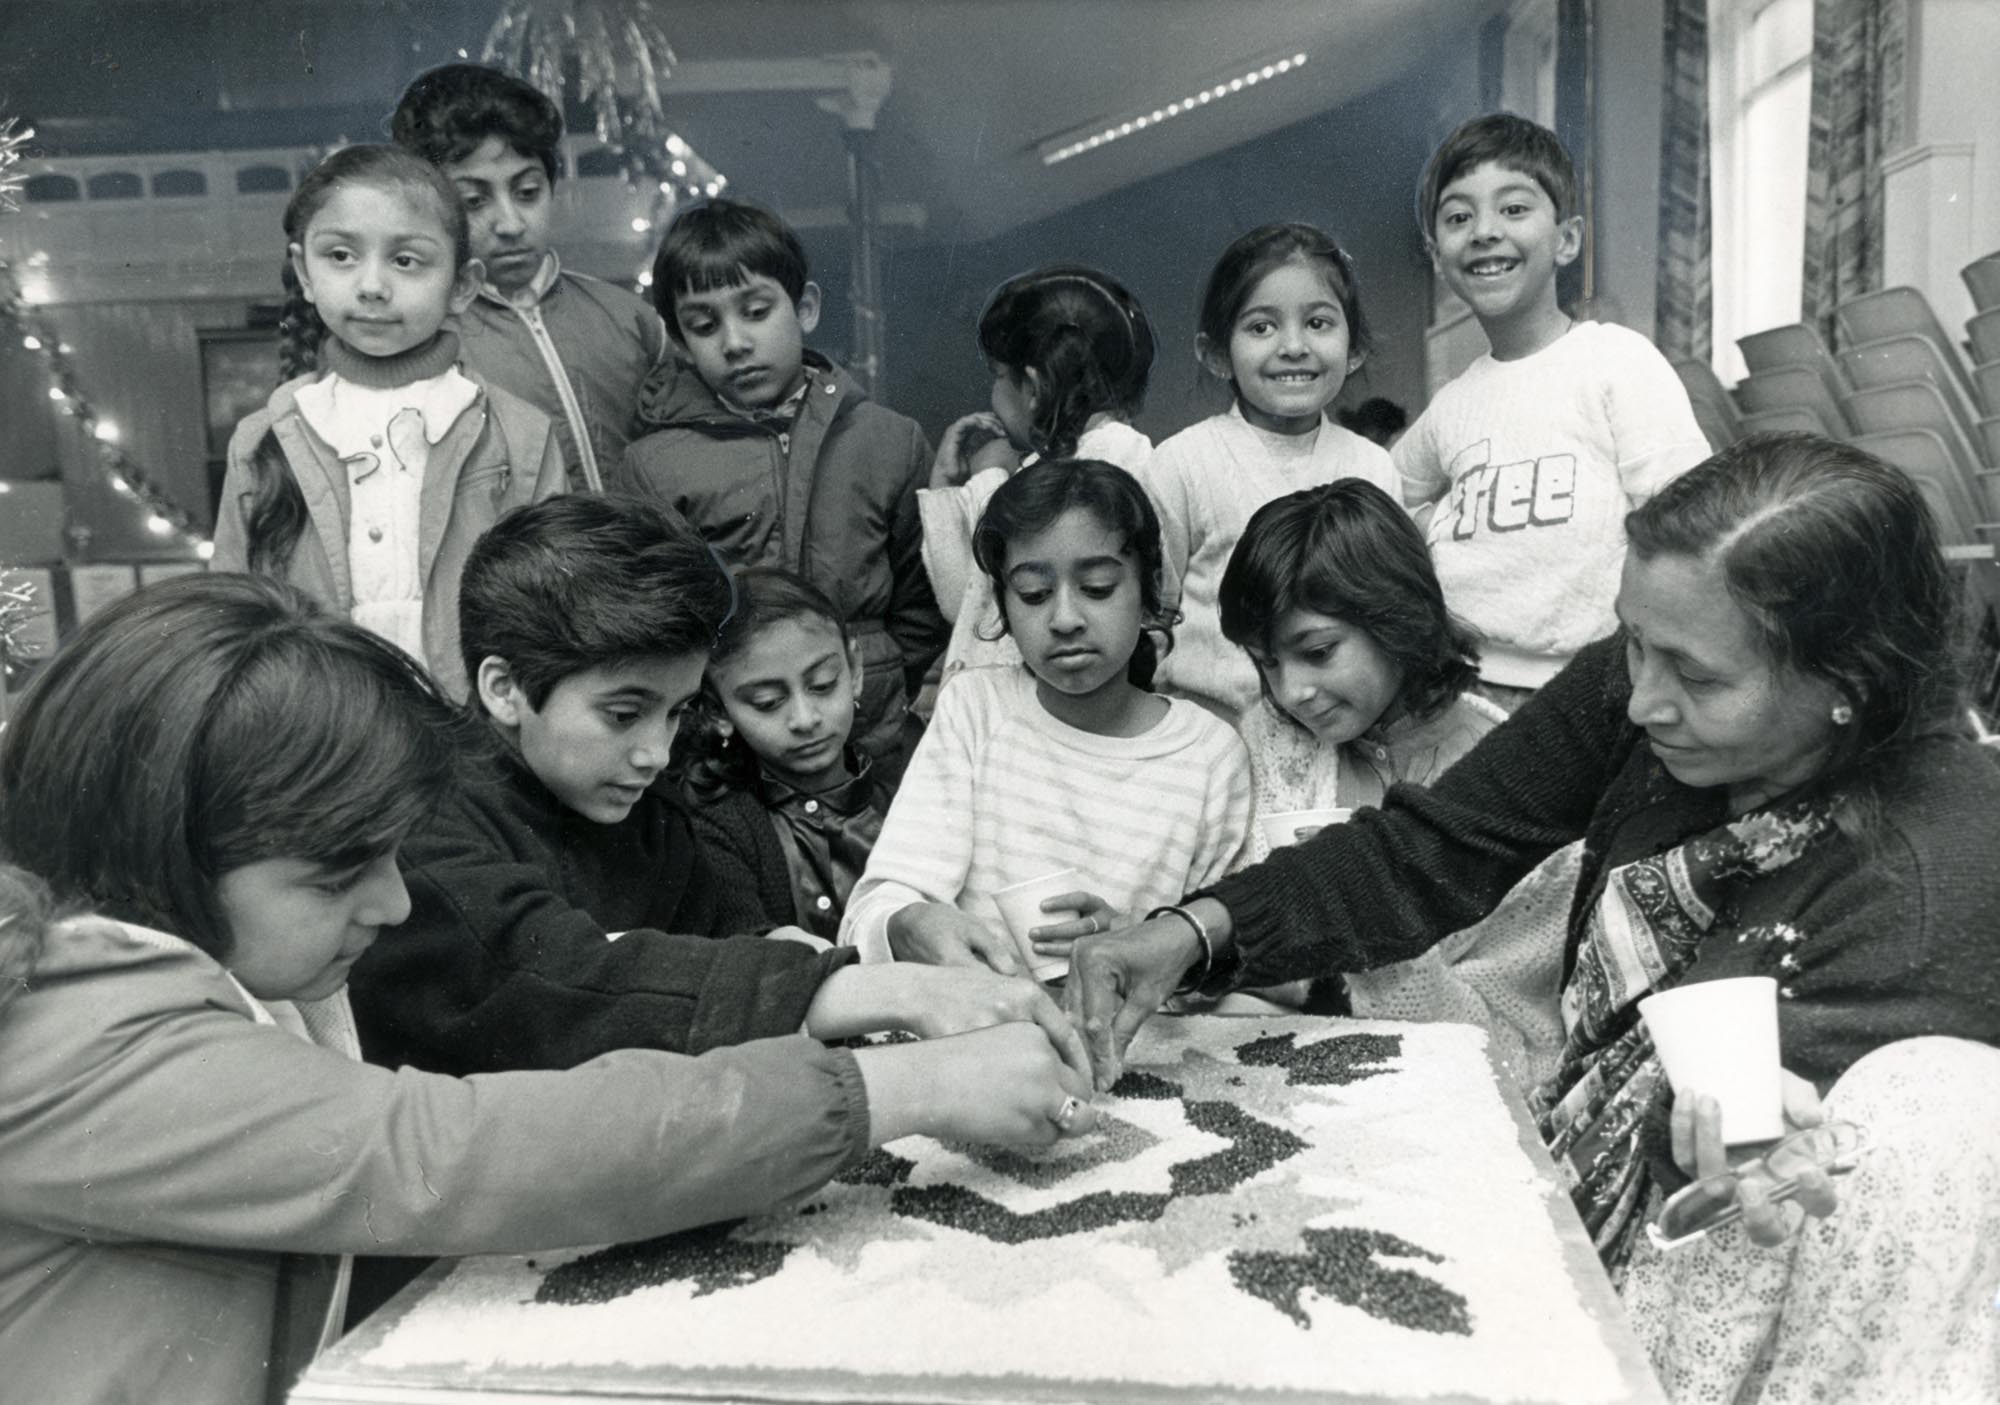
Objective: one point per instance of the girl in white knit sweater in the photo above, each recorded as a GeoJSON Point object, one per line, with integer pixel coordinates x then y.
{"type": "Point", "coordinates": [1070, 350]}
{"type": "Point", "coordinates": [1281, 321]}
{"type": "Point", "coordinates": [1067, 762]}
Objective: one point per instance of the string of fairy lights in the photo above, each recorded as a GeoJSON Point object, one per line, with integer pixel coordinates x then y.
{"type": "Point", "coordinates": [18, 603]}
{"type": "Point", "coordinates": [540, 39]}
{"type": "Point", "coordinates": [23, 320]}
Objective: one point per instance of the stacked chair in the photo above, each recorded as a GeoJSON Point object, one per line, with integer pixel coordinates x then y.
{"type": "Point", "coordinates": [1714, 411]}
{"type": "Point", "coordinates": [1898, 386]}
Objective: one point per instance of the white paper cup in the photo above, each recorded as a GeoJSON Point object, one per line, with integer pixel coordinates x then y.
{"type": "Point", "coordinates": [1021, 909]}
{"type": "Point", "coordinates": [1721, 1038]}
{"type": "Point", "coordinates": [1294, 826]}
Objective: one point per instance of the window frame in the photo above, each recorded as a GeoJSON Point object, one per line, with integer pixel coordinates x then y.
{"type": "Point", "coordinates": [1734, 267]}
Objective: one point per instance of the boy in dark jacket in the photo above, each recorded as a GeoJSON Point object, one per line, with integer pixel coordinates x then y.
{"type": "Point", "coordinates": [576, 348]}
{"type": "Point", "coordinates": [560, 906]}
{"type": "Point", "coordinates": [777, 456]}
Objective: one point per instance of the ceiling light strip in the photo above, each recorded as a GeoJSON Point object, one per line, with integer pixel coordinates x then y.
{"type": "Point", "coordinates": [1075, 143]}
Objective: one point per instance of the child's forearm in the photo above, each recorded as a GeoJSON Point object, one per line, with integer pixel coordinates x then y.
{"type": "Point", "coordinates": [858, 1000]}
{"type": "Point", "coordinates": [1001, 1084]}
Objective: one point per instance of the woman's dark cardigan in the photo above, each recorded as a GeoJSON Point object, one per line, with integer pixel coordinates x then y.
{"type": "Point", "coordinates": [1898, 932]}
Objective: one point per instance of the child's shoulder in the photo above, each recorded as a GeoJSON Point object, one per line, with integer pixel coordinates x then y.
{"type": "Point", "coordinates": [1195, 728]}
{"type": "Point", "coordinates": [1590, 355]}
{"type": "Point", "coordinates": [720, 804]}
{"type": "Point", "coordinates": [1263, 730]}
{"type": "Point", "coordinates": [1597, 352]}
{"type": "Point", "coordinates": [129, 968]}
{"type": "Point", "coordinates": [504, 402]}
{"type": "Point", "coordinates": [1116, 442]}
{"type": "Point", "coordinates": [1451, 732]}
{"type": "Point", "coordinates": [251, 429]}
{"type": "Point", "coordinates": [1201, 434]}
{"type": "Point", "coordinates": [608, 295]}
{"type": "Point", "coordinates": [524, 431]}
{"type": "Point", "coordinates": [982, 696]}
{"type": "Point", "coordinates": [1188, 456]}
{"type": "Point", "coordinates": [1358, 456]}
{"type": "Point", "coordinates": [836, 393]}
{"type": "Point", "coordinates": [1592, 337]}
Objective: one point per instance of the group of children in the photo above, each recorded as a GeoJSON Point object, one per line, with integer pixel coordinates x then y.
{"type": "Point", "coordinates": [643, 770]}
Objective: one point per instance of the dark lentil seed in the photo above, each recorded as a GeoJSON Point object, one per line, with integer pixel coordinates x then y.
{"type": "Point", "coordinates": [1113, 1140]}
{"type": "Point", "coordinates": [1340, 1263]}
{"type": "Point", "coordinates": [1345, 1058]}
{"type": "Point", "coordinates": [1137, 1083]}
{"type": "Point", "coordinates": [710, 1257]}
{"type": "Point", "coordinates": [878, 1167]}
{"type": "Point", "coordinates": [955, 1207]}
{"type": "Point", "coordinates": [1254, 1147]}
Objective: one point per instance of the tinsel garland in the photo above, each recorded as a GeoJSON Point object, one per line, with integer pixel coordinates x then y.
{"type": "Point", "coordinates": [620, 56]}
{"type": "Point", "coordinates": [14, 139]}
{"type": "Point", "coordinates": [17, 607]}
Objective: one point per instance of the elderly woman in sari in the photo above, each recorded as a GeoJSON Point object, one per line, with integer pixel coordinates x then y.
{"type": "Point", "coordinates": [1768, 768]}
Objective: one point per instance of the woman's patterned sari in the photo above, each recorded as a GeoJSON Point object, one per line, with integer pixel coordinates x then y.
{"type": "Point", "coordinates": [1640, 936]}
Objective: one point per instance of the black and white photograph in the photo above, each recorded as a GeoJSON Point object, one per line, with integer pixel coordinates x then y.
{"type": "Point", "coordinates": [1000, 702]}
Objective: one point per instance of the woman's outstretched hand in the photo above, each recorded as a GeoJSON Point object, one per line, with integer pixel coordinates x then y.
{"type": "Point", "coordinates": [1696, 1130]}
{"type": "Point", "coordinates": [1118, 980]}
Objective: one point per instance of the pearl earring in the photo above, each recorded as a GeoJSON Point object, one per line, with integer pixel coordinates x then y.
{"type": "Point", "coordinates": [1842, 714]}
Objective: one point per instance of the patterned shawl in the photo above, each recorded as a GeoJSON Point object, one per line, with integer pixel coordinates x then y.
{"type": "Point", "coordinates": [1641, 935]}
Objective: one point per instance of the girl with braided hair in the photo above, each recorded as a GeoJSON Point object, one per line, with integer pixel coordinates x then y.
{"type": "Point", "coordinates": [376, 465]}
{"type": "Point", "coordinates": [1070, 351]}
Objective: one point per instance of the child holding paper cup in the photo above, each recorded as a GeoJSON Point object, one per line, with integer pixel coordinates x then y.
{"type": "Point", "coordinates": [1068, 762]}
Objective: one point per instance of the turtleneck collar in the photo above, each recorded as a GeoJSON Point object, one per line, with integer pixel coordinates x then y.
{"type": "Point", "coordinates": [419, 363]}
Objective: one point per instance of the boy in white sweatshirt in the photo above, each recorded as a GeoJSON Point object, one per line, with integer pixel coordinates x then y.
{"type": "Point", "coordinates": [1528, 462]}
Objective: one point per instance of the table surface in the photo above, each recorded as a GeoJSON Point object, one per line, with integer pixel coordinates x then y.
{"type": "Point", "coordinates": [343, 1377]}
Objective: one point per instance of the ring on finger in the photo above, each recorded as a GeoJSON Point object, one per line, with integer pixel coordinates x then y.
{"type": "Point", "coordinates": [1094, 928]}
{"type": "Point", "coordinates": [1066, 1114]}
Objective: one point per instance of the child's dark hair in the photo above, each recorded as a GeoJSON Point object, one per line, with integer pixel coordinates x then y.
{"type": "Point", "coordinates": [1375, 419]}
{"type": "Point", "coordinates": [210, 722]}
{"type": "Point", "coordinates": [1349, 550]}
{"type": "Point", "coordinates": [1253, 256]}
{"type": "Point", "coordinates": [1502, 139]}
{"type": "Point", "coordinates": [765, 595]}
{"type": "Point", "coordinates": [716, 244]}
{"type": "Point", "coordinates": [1032, 501]}
{"type": "Point", "coordinates": [582, 581]}
{"type": "Point", "coordinates": [276, 515]}
{"type": "Point", "coordinates": [1083, 335]}
{"type": "Point", "coordinates": [1834, 557]}
{"type": "Point", "coordinates": [447, 113]}
{"type": "Point", "coordinates": [385, 167]}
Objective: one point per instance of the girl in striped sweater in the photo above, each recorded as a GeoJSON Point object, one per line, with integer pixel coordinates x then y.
{"type": "Point", "coordinates": [1068, 762]}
